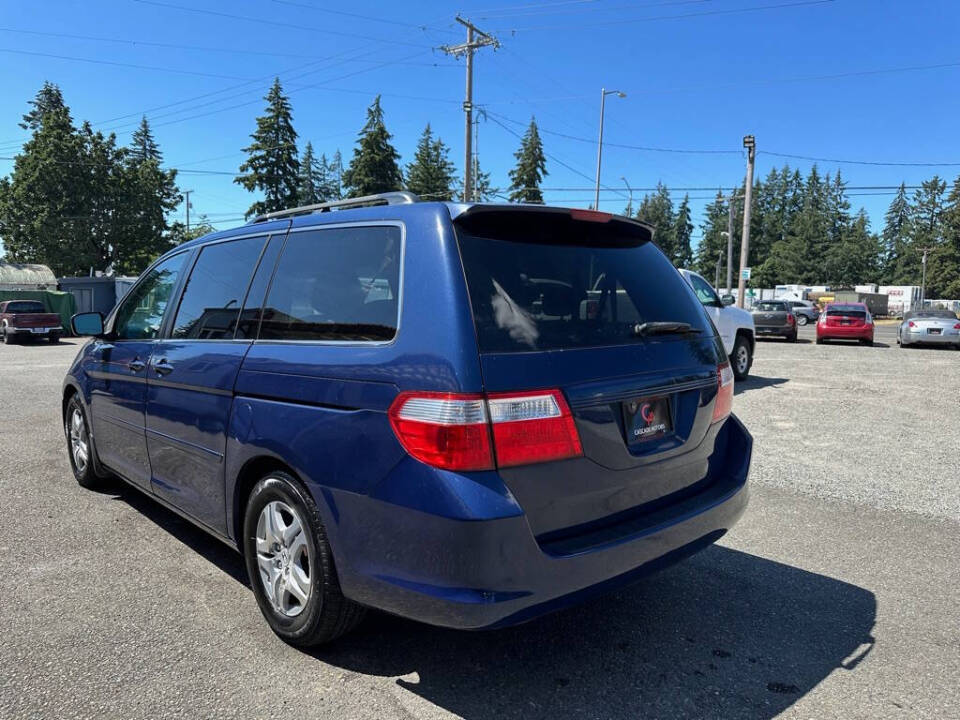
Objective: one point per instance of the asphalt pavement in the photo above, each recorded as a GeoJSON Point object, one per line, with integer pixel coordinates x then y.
{"type": "Point", "coordinates": [835, 597]}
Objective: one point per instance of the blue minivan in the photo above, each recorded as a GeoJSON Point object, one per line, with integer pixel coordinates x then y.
{"type": "Point", "coordinates": [465, 414]}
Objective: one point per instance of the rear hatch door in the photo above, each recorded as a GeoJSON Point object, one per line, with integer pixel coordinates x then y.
{"type": "Point", "coordinates": [846, 317]}
{"type": "Point", "coordinates": [584, 302]}
{"type": "Point", "coordinates": [770, 315]}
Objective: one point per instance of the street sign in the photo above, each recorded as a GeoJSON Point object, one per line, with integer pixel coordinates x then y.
{"type": "Point", "coordinates": [745, 273]}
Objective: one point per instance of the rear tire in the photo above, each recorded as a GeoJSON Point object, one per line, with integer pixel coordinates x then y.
{"type": "Point", "coordinates": [741, 358]}
{"type": "Point", "coordinates": [7, 336]}
{"type": "Point", "coordinates": [868, 343]}
{"type": "Point", "coordinates": [291, 570]}
{"type": "Point", "coordinates": [54, 339]}
{"type": "Point", "coordinates": [792, 338]}
{"type": "Point", "coordinates": [819, 341]}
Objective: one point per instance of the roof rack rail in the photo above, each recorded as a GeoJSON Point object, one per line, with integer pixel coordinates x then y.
{"type": "Point", "coordinates": [389, 198]}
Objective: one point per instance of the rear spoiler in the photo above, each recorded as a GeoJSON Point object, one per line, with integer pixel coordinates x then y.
{"type": "Point", "coordinates": [550, 225]}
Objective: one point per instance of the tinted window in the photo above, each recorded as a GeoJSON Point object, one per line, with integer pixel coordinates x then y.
{"type": "Point", "coordinates": [768, 306]}
{"type": "Point", "coordinates": [340, 284]}
{"type": "Point", "coordinates": [942, 314]}
{"type": "Point", "coordinates": [25, 306]}
{"type": "Point", "coordinates": [704, 292]}
{"type": "Point", "coordinates": [848, 310]}
{"type": "Point", "coordinates": [141, 313]}
{"type": "Point", "coordinates": [582, 291]}
{"type": "Point", "coordinates": [213, 295]}
{"type": "Point", "coordinates": [250, 315]}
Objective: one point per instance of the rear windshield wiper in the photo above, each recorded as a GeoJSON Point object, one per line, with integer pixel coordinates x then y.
{"type": "Point", "coordinates": [663, 328]}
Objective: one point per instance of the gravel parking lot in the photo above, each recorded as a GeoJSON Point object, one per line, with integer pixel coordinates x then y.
{"type": "Point", "coordinates": [835, 597]}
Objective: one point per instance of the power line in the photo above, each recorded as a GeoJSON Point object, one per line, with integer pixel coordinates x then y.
{"type": "Point", "coordinates": [277, 23]}
{"type": "Point", "coordinates": [592, 8]}
{"type": "Point", "coordinates": [122, 64]}
{"type": "Point", "coordinates": [623, 21]}
{"type": "Point", "coordinates": [418, 26]}
{"type": "Point", "coordinates": [860, 162]}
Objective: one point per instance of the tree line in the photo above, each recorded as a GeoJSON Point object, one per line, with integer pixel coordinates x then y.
{"type": "Point", "coordinates": [802, 230]}
{"type": "Point", "coordinates": [77, 200]}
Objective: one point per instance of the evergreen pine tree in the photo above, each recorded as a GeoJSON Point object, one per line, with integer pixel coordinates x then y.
{"type": "Point", "coordinates": [335, 175]}
{"type": "Point", "coordinates": [310, 178]}
{"type": "Point", "coordinates": [48, 99]}
{"type": "Point", "coordinates": [943, 264]}
{"type": "Point", "coordinates": [657, 211]}
{"type": "Point", "coordinates": [854, 257]}
{"type": "Point", "coordinates": [150, 194]}
{"type": "Point", "coordinates": [896, 234]}
{"type": "Point", "coordinates": [925, 222]}
{"type": "Point", "coordinates": [712, 242]}
{"type": "Point", "coordinates": [430, 175]}
{"type": "Point", "coordinates": [375, 165]}
{"type": "Point", "coordinates": [531, 168]}
{"type": "Point", "coordinates": [272, 166]}
{"type": "Point", "coordinates": [143, 146]}
{"type": "Point", "coordinates": [682, 232]}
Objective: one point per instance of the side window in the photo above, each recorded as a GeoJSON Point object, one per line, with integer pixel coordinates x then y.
{"type": "Point", "coordinates": [212, 298]}
{"type": "Point", "coordinates": [141, 313]}
{"type": "Point", "coordinates": [340, 284]}
{"type": "Point", "coordinates": [704, 292]}
{"type": "Point", "coordinates": [250, 315]}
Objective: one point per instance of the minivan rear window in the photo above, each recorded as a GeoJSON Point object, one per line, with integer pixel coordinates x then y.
{"type": "Point", "coordinates": [581, 284]}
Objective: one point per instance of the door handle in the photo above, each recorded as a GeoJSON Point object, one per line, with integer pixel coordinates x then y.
{"type": "Point", "coordinates": [162, 367]}
{"type": "Point", "coordinates": [136, 365]}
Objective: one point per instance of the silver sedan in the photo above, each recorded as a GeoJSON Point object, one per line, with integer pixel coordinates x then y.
{"type": "Point", "coordinates": [929, 326]}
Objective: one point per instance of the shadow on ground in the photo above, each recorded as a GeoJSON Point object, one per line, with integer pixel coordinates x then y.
{"type": "Point", "coordinates": [723, 634]}
{"type": "Point", "coordinates": [756, 382]}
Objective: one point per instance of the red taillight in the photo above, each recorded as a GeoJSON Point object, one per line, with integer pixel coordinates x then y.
{"type": "Point", "coordinates": [446, 430]}
{"type": "Point", "coordinates": [957, 326]}
{"type": "Point", "coordinates": [532, 427]}
{"type": "Point", "coordinates": [911, 323]}
{"type": "Point", "coordinates": [465, 432]}
{"type": "Point", "coordinates": [791, 319]}
{"type": "Point", "coordinates": [724, 404]}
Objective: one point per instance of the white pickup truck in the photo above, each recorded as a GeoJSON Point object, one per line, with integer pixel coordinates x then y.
{"type": "Point", "coordinates": [734, 324]}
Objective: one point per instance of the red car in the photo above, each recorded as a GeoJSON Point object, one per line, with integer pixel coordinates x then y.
{"type": "Point", "coordinates": [845, 321]}
{"type": "Point", "coordinates": [28, 319]}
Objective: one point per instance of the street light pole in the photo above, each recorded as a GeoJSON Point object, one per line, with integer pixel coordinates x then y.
{"type": "Point", "coordinates": [629, 190]}
{"type": "Point", "coordinates": [731, 217]}
{"type": "Point", "coordinates": [603, 101]}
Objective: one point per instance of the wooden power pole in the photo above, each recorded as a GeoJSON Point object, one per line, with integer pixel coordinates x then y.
{"type": "Point", "coordinates": [476, 39]}
{"type": "Point", "coordinates": [750, 144]}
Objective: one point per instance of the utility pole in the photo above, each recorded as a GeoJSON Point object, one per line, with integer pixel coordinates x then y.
{"type": "Point", "coordinates": [731, 217]}
{"type": "Point", "coordinates": [186, 202]}
{"type": "Point", "coordinates": [476, 39]}
{"type": "Point", "coordinates": [750, 144]}
{"type": "Point", "coordinates": [716, 279]}
{"type": "Point", "coordinates": [923, 277]}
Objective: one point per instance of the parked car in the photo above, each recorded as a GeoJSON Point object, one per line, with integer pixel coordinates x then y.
{"type": "Point", "coordinates": [929, 326]}
{"type": "Point", "coordinates": [734, 324]}
{"type": "Point", "coordinates": [28, 319]}
{"type": "Point", "coordinates": [804, 311]}
{"type": "Point", "coordinates": [388, 406]}
{"type": "Point", "coordinates": [775, 318]}
{"type": "Point", "coordinates": [845, 321]}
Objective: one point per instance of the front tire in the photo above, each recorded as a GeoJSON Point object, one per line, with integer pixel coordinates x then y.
{"type": "Point", "coordinates": [802, 320]}
{"type": "Point", "coordinates": [290, 565]}
{"type": "Point", "coordinates": [80, 445]}
{"type": "Point", "coordinates": [741, 358]}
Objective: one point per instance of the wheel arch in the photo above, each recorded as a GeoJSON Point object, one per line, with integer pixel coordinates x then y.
{"type": "Point", "coordinates": [252, 471]}
{"type": "Point", "coordinates": [748, 334]}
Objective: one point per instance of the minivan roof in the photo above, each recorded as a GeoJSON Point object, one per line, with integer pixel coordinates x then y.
{"type": "Point", "coordinates": [455, 210]}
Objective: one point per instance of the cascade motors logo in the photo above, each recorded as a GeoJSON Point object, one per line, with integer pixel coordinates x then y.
{"type": "Point", "coordinates": [648, 415]}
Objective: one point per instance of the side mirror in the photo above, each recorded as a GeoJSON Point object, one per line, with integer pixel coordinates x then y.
{"type": "Point", "coordinates": [88, 323]}
{"type": "Point", "coordinates": [728, 300]}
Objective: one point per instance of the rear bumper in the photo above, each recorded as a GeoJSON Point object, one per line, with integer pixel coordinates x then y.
{"type": "Point", "coordinates": [775, 330]}
{"type": "Point", "coordinates": [474, 574]}
{"type": "Point", "coordinates": [845, 333]}
{"type": "Point", "coordinates": [924, 338]}
{"type": "Point", "coordinates": [34, 332]}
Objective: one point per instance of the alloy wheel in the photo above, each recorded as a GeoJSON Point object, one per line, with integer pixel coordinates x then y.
{"type": "Point", "coordinates": [283, 557]}
{"type": "Point", "coordinates": [79, 441]}
{"type": "Point", "coordinates": [743, 359]}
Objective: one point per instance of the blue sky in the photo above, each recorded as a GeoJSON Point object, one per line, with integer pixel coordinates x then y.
{"type": "Point", "coordinates": [847, 79]}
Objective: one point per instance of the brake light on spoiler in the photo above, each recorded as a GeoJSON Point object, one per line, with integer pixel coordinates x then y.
{"type": "Point", "coordinates": [461, 431]}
